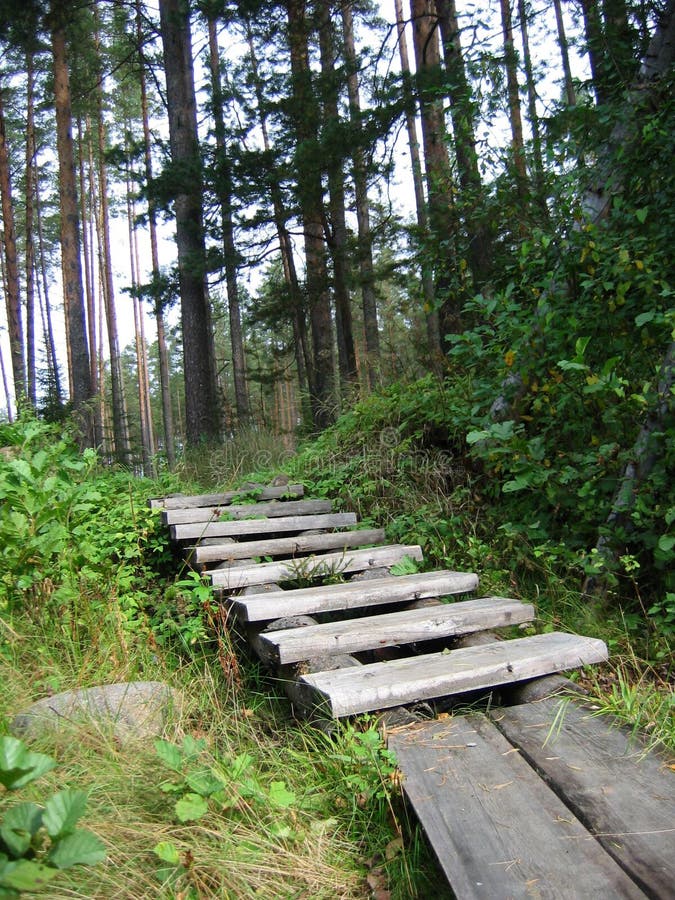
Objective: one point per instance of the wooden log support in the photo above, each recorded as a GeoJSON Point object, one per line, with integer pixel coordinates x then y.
{"type": "Point", "coordinates": [392, 629]}
{"type": "Point", "coordinates": [183, 501]}
{"type": "Point", "coordinates": [314, 567]}
{"type": "Point", "coordinates": [625, 797]}
{"type": "Point", "coordinates": [290, 546]}
{"type": "Point", "coordinates": [243, 527]}
{"type": "Point", "coordinates": [353, 595]}
{"type": "Point", "coordinates": [497, 829]}
{"type": "Point", "coordinates": [272, 509]}
{"type": "Point", "coordinates": [383, 684]}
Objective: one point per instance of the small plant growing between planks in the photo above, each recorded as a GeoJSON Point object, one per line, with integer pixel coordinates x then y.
{"type": "Point", "coordinates": [37, 842]}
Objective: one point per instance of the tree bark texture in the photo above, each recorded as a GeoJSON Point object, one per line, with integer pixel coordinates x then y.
{"type": "Point", "coordinates": [12, 286]}
{"type": "Point", "coordinates": [73, 295]}
{"type": "Point", "coordinates": [306, 120]}
{"type": "Point", "coordinates": [201, 404]}
{"type": "Point", "coordinates": [224, 189]}
{"type": "Point", "coordinates": [360, 175]}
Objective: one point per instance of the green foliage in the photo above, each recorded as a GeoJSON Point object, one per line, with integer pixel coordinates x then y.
{"type": "Point", "coordinates": [36, 842]}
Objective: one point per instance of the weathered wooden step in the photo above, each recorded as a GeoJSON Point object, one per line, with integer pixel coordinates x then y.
{"type": "Point", "coordinates": [497, 829]}
{"type": "Point", "coordinates": [260, 526]}
{"type": "Point", "coordinates": [603, 773]}
{"type": "Point", "coordinates": [317, 566]}
{"type": "Point", "coordinates": [405, 627]}
{"type": "Point", "coordinates": [182, 501]}
{"type": "Point", "coordinates": [353, 595]}
{"type": "Point", "coordinates": [396, 682]}
{"type": "Point", "coordinates": [289, 546]}
{"type": "Point", "coordinates": [274, 508]}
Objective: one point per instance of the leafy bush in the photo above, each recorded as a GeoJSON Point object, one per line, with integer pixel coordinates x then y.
{"type": "Point", "coordinates": [37, 842]}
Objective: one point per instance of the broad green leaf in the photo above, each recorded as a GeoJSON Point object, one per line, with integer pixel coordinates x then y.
{"type": "Point", "coordinates": [170, 754]}
{"type": "Point", "coordinates": [167, 852]}
{"type": "Point", "coordinates": [81, 848]}
{"type": "Point", "coordinates": [473, 437]}
{"type": "Point", "coordinates": [19, 825]}
{"type": "Point", "coordinates": [193, 746]}
{"type": "Point", "coordinates": [26, 875]}
{"type": "Point", "coordinates": [521, 483]}
{"type": "Point", "coordinates": [18, 765]}
{"type": "Point", "coordinates": [645, 317]}
{"type": "Point", "coordinates": [641, 214]}
{"type": "Point", "coordinates": [204, 782]}
{"type": "Point", "coordinates": [191, 807]}
{"type": "Point", "coordinates": [667, 542]}
{"type": "Point", "coordinates": [280, 795]}
{"type": "Point", "coordinates": [62, 812]}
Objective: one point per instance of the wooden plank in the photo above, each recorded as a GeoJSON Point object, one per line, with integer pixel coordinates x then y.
{"type": "Point", "coordinates": [290, 546]}
{"type": "Point", "coordinates": [353, 595]}
{"type": "Point", "coordinates": [317, 566]}
{"type": "Point", "coordinates": [624, 797]}
{"type": "Point", "coordinates": [383, 684]}
{"type": "Point", "coordinates": [246, 511]}
{"type": "Point", "coordinates": [405, 627]}
{"type": "Point", "coordinates": [181, 501]}
{"type": "Point", "coordinates": [498, 831]}
{"type": "Point", "coordinates": [260, 526]}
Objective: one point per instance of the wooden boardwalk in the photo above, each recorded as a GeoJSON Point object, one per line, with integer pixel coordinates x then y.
{"type": "Point", "coordinates": [507, 813]}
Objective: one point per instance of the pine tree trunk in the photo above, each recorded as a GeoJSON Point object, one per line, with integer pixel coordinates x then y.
{"type": "Point", "coordinates": [29, 241]}
{"type": "Point", "coordinates": [563, 43]}
{"type": "Point", "coordinates": [122, 448]}
{"type": "Point", "coordinates": [162, 351]}
{"type": "Point", "coordinates": [12, 286]}
{"type": "Point", "coordinates": [224, 190]}
{"type": "Point", "coordinates": [537, 159]}
{"type": "Point", "coordinates": [70, 233]}
{"type": "Point", "coordinates": [462, 115]}
{"type": "Point", "coordinates": [515, 118]}
{"type": "Point", "coordinates": [52, 359]}
{"type": "Point", "coordinates": [303, 360]}
{"type": "Point", "coordinates": [430, 312]}
{"type": "Point", "coordinates": [440, 188]}
{"type": "Point", "coordinates": [305, 118]}
{"type": "Point", "coordinates": [201, 404]}
{"type": "Point", "coordinates": [336, 227]}
{"type": "Point", "coordinates": [360, 175]}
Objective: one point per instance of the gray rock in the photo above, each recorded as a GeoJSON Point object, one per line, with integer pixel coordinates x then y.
{"type": "Point", "coordinates": [134, 710]}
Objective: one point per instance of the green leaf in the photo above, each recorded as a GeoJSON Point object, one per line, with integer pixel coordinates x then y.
{"type": "Point", "coordinates": [645, 317]}
{"type": "Point", "coordinates": [62, 812]}
{"type": "Point", "coordinates": [170, 754]}
{"type": "Point", "coordinates": [191, 807]}
{"type": "Point", "coordinates": [641, 214]}
{"type": "Point", "coordinates": [204, 783]}
{"type": "Point", "coordinates": [19, 825]}
{"type": "Point", "coordinates": [280, 795]}
{"type": "Point", "coordinates": [666, 542]}
{"type": "Point", "coordinates": [167, 852]}
{"type": "Point", "coordinates": [80, 848]}
{"type": "Point", "coordinates": [18, 765]}
{"type": "Point", "coordinates": [26, 875]}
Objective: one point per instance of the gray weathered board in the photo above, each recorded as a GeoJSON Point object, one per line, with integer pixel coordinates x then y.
{"type": "Point", "coordinates": [314, 567]}
{"type": "Point", "coordinates": [396, 682]}
{"type": "Point", "coordinates": [498, 830]}
{"type": "Point", "coordinates": [260, 526]}
{"type": "Point", "coordinates": [288, 546]}
{"type": "Point", "coordinates": [273, 509]}
{"type": "Point", "coordinates": [407, 626]}
{"type": "Point", "coordinates": [625, 797]}
{"type": "Point", "coordinates": [181, 501]}
{"type": "Point", "coordinates": [352, 595]}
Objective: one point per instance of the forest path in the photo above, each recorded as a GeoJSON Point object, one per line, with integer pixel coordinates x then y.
{"type": "Point", "coordinates": [532, 800]}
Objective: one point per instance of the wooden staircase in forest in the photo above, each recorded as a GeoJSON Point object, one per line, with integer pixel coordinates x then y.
{"type": "Point", "coordinates": [373, 640]}
{"type": "Point", "coordinates": [537, 800]}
